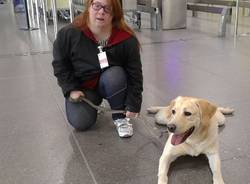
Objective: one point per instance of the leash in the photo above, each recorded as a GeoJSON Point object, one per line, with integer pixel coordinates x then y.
{"type": "Point", "coordinates": [106, 110]}
{"type": "Point", "coordinates": [98, 108]}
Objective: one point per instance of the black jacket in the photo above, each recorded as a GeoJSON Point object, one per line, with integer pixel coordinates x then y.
{"type": "Point", "coordinates": [75, 61]}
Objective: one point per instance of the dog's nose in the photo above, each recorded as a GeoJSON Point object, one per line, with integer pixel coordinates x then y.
{"type": "Point", "coordinates": [171, 127]}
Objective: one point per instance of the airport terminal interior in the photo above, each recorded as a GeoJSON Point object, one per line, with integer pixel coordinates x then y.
{"type": "Point", "coordinates": [193, 48]}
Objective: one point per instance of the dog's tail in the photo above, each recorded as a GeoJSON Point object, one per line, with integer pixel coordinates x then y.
{"type": "Point", "coordinates": [154, 109]}
{"type": "Point", "coordinates": [226, 110]}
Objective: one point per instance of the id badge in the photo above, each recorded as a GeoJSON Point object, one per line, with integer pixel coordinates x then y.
{"type": "Point", "coordinates": [103, 60]}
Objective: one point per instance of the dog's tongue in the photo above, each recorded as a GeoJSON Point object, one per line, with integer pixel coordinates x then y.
{"type": "Point", "coordinates": [178, 139]}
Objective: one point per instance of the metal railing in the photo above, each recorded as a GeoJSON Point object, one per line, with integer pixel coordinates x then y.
{"type": "Point", "coordinates": [236, 3]}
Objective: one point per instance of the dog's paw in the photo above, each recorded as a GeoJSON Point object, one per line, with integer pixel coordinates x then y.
{"type": "Point", "coordinates": [226, 110]}
{"type": "Point", "coordinates": [218, 182]}
{"type": "Point", "coordinates": [163, 180]}
{"type": "Point", "coordinates": [218, 179]}
{"type": "Point", "coordinates": [153, 109]}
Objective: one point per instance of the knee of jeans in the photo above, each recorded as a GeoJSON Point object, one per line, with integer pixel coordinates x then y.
{"type": "Point", "coordinates": [113, 78]}
{"type": "Point", "coordinates": [114, 74]}
{"type": "Point", "coordinates": [81, 123]}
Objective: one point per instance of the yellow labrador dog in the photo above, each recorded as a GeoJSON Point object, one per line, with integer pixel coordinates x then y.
{"type": "Point", "coordinates": [193, 126]}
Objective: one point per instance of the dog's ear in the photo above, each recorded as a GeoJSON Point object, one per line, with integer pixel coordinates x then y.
{"type": "Point", "coordinates": [207, 110]}
{"type": "Point", "coordinates": [163, 115]}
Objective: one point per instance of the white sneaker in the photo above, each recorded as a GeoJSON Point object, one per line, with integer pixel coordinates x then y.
{"type": "Point", "coordinates": [123, 127]}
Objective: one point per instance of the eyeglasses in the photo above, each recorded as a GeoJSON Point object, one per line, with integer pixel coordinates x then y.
{"type": "Point", "coordinates": [97, 6]}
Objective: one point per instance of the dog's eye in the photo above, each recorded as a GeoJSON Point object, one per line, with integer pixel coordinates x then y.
{"type": "Point", "coordinates": [173, 111]}
{"type": "Point", "coordinates": [187, 113]}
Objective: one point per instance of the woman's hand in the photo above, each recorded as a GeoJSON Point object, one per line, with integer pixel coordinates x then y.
{"type": "Point", "coordinates": [131, 114]}
{"type": "Point", "coordinates": [75, 96]}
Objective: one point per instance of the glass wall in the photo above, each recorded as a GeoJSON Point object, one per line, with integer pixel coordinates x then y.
{"type": "Point", "coordinates": [242, 17]}
{"type": "Point", "coordinates": [58, 15]}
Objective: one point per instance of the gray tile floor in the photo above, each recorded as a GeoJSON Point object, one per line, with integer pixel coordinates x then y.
{"type": "Point", "coordinates": [38, 147]}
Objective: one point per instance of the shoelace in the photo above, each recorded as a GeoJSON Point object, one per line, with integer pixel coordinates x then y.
{"type": "Point", "coordinates": [123, 123]}
{"type": "Point", "coordinates": [124, 127]}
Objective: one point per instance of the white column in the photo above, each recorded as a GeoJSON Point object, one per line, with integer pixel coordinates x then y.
{"type": "Point", "coordinates": [54, 14]}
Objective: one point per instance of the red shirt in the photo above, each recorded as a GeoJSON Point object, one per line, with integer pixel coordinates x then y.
{"type": "Point", "coordinates": [116, 37]}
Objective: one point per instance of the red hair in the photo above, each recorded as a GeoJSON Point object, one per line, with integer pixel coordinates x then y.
{"type": "Point", "coordinates": [81, 21]}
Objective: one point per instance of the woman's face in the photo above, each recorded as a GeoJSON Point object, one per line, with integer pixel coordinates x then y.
{"type": "Point", "coordinates": [100, 13]}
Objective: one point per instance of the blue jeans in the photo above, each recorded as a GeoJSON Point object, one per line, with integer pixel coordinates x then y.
{"type": "Point", "coordinates": [112, 86]}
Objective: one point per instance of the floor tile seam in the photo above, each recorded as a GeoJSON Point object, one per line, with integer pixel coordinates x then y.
{"type": "Point", "coordinates": [21, 76]}
{"type": "Point", "coordinates": [201, 56]}
{"type": "Point", "coordinates": [139, 176]}
{"type": "Point", "coordinates": [177, 40]}
{"type": "Point", "coordinates": [177, 57]}
{"type": "Point", "coordinates": [74, 138]}
{"type": "Point", "coordinates": [27, 53]}
{"type": "Point", "coordinates": [152, 135]}
{"type": "Point", "coordinates": [201, 38]}
{"type": "Point", "coordinates": [164, 42]}
{"type": "Point", "coordinates": [71, 131]}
